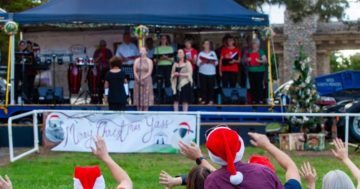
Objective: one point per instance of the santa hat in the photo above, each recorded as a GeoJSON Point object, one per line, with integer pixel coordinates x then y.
{"type": "Point", "coordinates": [226, 148]}
{"type": "Point", "coordinates": [54, 117]}
{"type": "Point", "coordinates": [262, 160]}
{"type": "Point", "coordinates": [88, 178]}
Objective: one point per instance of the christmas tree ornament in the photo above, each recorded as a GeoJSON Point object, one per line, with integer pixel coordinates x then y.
{"type": "Point", "coordinates": [11, 28]}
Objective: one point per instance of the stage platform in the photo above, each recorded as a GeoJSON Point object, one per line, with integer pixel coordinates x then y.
{"type": "Point", "coordinates": [17, 109]}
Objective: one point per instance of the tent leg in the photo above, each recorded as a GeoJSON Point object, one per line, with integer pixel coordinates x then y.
{"type": "Point", "coordinates": [8, 73]}
{"type": "Point", "coordinates": [270, 85]}
{"type": "Point", "coordinates": [12, 69]}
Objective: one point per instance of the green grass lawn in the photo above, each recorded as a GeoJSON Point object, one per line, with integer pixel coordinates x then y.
{"type": "Point", "coordinates": [55, 171]}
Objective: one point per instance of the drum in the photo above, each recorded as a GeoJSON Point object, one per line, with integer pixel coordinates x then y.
{"type": "Point", "coordinates": [91, 62]}
{"type": "Point", "coordinates": [80, 61]}
{"type": "Point", "coordinates": [74, 78]}
{"type": "Point", "coordinates": [93, 78]}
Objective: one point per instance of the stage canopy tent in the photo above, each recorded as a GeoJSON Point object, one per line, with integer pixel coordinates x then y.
{"type": "Point", "coordinates": [196, 13]}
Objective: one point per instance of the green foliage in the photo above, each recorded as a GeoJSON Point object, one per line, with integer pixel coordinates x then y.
{"type": "Point", "coordinates": [12, 6]}
{"type": "Point", "coordinates": [326, 9]}
{"type": "Point", "coordinates": [339, 62]}
{"type": "Point", "coordinates": [55, 170]}
{"type": "Point", "coordinates": [303, 93]}
{"type": "Point", "coordinates": [17, 5]}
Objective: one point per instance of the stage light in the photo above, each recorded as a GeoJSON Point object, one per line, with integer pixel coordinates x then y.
{"type": "Point", "coordinates": [38, 60]}
{"type": "Point", "coordinates": [60, 60]}
{"type": "Point", "coordinates": [48, 61]}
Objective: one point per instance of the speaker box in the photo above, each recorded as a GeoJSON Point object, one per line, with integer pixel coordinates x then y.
{"type": "Point", "coordinates": [234, 95]}
{"type": "Point", "coordinates": [168, 95]}
{"type": "Point", "coordinates": [50, 95]}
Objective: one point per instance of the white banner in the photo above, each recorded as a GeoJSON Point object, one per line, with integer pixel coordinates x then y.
{"type": "Point", "coordinates": [123, 132]}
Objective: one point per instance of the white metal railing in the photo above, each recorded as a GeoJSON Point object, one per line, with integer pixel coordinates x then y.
{"type": "Point", "coordinates": [35, 113]}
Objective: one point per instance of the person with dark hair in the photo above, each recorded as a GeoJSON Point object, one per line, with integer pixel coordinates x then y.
{"type": "Point", "coordinates": [181, 81]}
{"type": "Point", "coordinates": [101, 56]}
{"type": "Point", "coordinates": [127, 51]}
{"type": "Point", "coordinates": [229, 63]}
{"type": "Point", "coordinates": [207, 62]}
{"type": "Point", "coordinates": [256, 70]}
{"type": "Point", "coordinates": [149, 44]}
{"type": "Point", "coordinates": [191, 55]}
{"type": "Point", "coordinates": [164, 59]}
{"type": "Point", "coordinates": [25, 71]}
{"type": "Point", "coordinates": [195, 179]}
{"type": "Point", "coordinates": [115, 92]}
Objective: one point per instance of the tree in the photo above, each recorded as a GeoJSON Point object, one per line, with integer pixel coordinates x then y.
{"type": "Point", "coordinates": [326, 9]}
{"type": "Point", "coordinates": [303, 93]}
{"type": "Point", "coordinates": [13, 6]}
{"type": "Point", "coordinates": [339, 62]}
{"type": "Point", "coordinates": [17, 5]}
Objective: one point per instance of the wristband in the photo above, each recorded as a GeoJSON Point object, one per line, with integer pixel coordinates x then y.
{"type": "Point", "coordinates": [106, 93]}
{"type": "Point", "coordinates": [199, 160]}
{"type": "Point", "coordinates": [183, 179]}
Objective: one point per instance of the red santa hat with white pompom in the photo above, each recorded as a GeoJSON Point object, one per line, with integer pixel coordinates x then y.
{"type": "Point", "coordinates": [226, 148]}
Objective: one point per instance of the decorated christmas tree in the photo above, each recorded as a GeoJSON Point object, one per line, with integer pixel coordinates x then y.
{"type": "Point", "coordinates": [302, 93]}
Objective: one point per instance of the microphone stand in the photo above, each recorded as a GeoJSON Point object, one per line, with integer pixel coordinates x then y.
{"type": "Point", "coordinates": [140, 71]}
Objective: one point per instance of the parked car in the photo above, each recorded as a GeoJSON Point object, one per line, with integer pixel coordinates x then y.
{"type": "Point", "coordinates": [281, 96]}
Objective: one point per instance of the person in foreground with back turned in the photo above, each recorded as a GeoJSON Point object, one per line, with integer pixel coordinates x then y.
{"type": "Point", "coordinates": [245, 175]}
{"type": "Point", "coordinates": [115, 93]}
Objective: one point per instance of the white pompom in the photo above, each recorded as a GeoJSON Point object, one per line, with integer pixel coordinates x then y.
{"type": "Point", "coordinates": [236, 179]}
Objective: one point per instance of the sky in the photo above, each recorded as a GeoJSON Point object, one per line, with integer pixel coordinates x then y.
{"type": "Point", "coordinates": [277, 13]}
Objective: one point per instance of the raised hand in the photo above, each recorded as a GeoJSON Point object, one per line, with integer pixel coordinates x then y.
{"type": "Point", "coordinates": [340, 151]}
{"type": "Point", "coordinates": [309, 174]}
{"type": "Point", "coordinates": [259, 140]}
{"type": "Point", "coordinates": [191, 151]}
{"type": "Point", "coordinates": [100, 151]}
{"type": "Point", "coordinates": [5, 183]}
{"type": "Point", "coordinates": [168, 181]}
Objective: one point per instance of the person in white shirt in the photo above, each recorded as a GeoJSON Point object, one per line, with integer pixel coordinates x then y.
{"type": "Point", "coordinates": [127, 51]}
{"type": "Point", "coordinates": [207, 62]}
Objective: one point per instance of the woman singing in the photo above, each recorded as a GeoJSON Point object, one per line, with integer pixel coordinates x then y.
{"type": "Point", "coordinates": [256, 71]}
{"type": "Point", "coordinates": [115, 93]}
{"type": "Point", "coordinates": [143, 89]}
{"type": "Point", "coordinates": [229, 63]}
{"type": "Point", "coordinates": [207, 62]}
{"type": "Point", "coordinates": [181, 81]}
{"type": "Point", "coordinates": [164, 59]}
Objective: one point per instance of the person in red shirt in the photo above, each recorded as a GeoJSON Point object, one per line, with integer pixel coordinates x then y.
{"type": "Point", "coordinates": [102, 57]}
{"type": "Point", "coordinates": [229, 63]}
{"type": "Point", "coordinates": [191, 55]}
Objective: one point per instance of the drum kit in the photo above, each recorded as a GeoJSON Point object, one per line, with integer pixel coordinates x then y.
{"type": "Point", "coordinates": [75, 74]}
{"type": "Point", "coordinates": [93, 78]}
